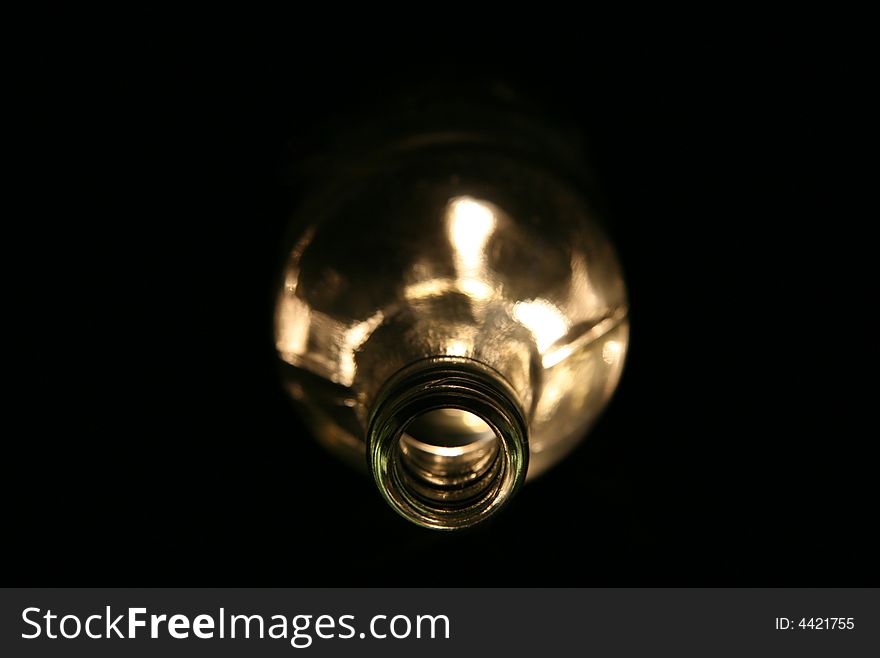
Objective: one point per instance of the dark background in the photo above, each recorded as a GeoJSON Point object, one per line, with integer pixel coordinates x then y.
{"type": "Point", "coordinates": [159, 449]}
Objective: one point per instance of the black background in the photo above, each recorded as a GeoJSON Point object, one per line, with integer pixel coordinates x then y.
{"type": "Point", "coordinates": [159, 449]}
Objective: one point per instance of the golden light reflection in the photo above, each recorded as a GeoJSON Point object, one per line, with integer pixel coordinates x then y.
{"type": "Point", "coordinates": [458, 419]}
{"type": "Point", "coordinates": [611, 352]}
{"type": "Point", "coordinates": [473, 288]}
{"type": "Point", "coordinates": [293, 320]}
{"type": "Point", "coordinates": [457, 348]}
{"type": "Point", "coordinates": [472, 421]}
{"type": "Point", "coordinates": [355, 336]}
{"type": "Point", "coordinates": [554, 356]}
{"type": "Point", "coordinates": [293, 315]}
{"type": "Point", "coordinates": [470, 222]}
{"type": "Point", "coordinates": [476, 289]}
{"type": "Point", "coordinates": [559, 352]}
{"type": "Point", "coordinates": [469, 225]}
{"type": "Point", "coordinates": [543, 319]}
{"type": "Point", "coordinates": [429, 288]}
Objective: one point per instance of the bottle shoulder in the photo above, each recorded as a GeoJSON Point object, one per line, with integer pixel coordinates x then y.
{"type": "Point", "coordinates": [462, 254]}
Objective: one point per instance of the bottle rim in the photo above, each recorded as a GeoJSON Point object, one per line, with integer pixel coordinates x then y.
{"type": "Point", "coordinates": [444, 382]}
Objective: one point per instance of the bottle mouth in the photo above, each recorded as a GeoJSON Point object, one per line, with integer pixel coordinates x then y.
{"type": "Point", "coordinates": [447, 443]}
{"type": "Point", "coordinates": [448, 456]}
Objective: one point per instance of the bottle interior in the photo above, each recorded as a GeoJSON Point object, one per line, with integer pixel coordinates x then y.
{"type": "Point", "coordinates": [448, 455]}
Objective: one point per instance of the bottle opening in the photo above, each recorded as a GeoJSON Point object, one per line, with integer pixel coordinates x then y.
{"type": "Point", "coordinates": [448, 456]}
{"type": "Point", "coordinates": [447, 442]}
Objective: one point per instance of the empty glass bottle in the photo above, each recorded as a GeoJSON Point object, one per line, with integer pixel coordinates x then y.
{"type": "Point", "coordinates": [450, 314]}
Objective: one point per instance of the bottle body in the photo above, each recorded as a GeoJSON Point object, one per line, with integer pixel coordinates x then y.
{"type": "Point", "coordinates": [460, 252]}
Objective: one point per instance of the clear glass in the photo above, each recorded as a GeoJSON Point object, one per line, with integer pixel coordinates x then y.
{"type": "Point", "coordinates": [463, 252]}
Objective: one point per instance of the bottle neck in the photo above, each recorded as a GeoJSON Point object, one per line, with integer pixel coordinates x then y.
{"type": "Point", "coordinates": [447, 442]}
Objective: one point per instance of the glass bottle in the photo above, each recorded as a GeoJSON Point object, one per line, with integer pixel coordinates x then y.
{"type": "Point", "coordinates": [451, 316]}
